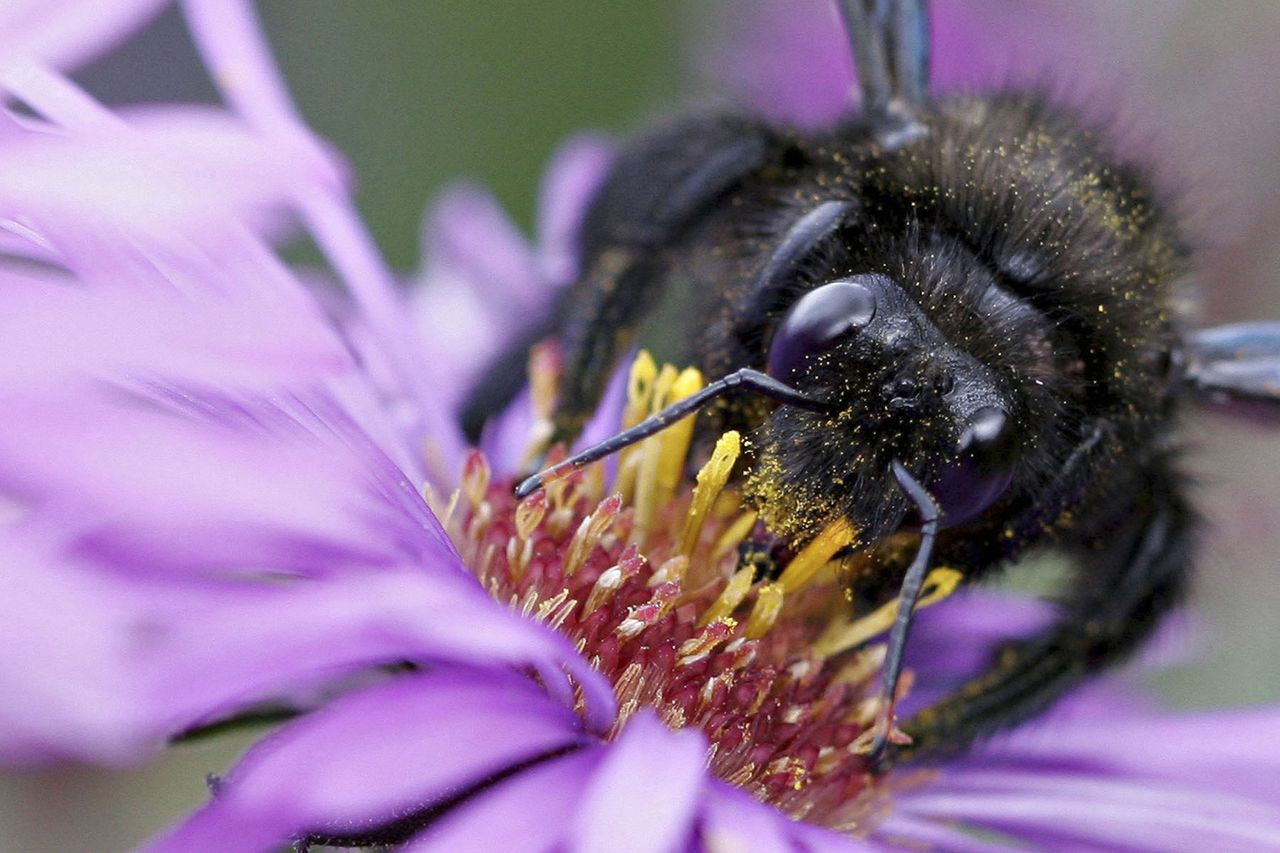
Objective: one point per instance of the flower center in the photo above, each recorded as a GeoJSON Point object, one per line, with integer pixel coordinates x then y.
{"type": "Point", "coordinates": [649, 584]}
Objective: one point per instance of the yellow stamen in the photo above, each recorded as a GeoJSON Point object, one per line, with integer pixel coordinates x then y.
{"type": "Point", "coordinates": [730, 597]}
{"type": "Point", "coordinates": [698, 647]}
{"type": "Point", "coordinates": [674, 441]}
{"type": "Point", "coordinates": [588, 534]}
{"type": "Point", "coordinates": [711, 479]}
{"type": "Point", "coordinates": [605, 586]}
{"type": "Point", "coordinates": [647, 497]}
{"type": "Point", "coordinates": [835, 536]}
{"type": "Point", "coordinates": [529, 514]}
{"type": "Point", "coordinates": [640, 384]}
{"type": "Point", "coordinates": [644, 372]}
{"type": "Point", "coordinates": [672, 571]}
{"type": "Point", "coordinates": [840, 637]}
{"type": "Point", "coordinates": [765, 611]}
{"type": "Point", "coordinates": [544, 380]}
{"type": "Point", "coordinates": [734, 534]}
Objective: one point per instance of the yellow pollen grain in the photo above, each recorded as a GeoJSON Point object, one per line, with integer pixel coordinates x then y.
{"type": "Point", "coordinates": [730, 597]}
{"type": "Point", "coordinates": [835, 536]}
{"type": "Point", "coordinates": [765, 611]}
{"type": "Point", "coordinates": [712, 478]}
{"type": "Point", "coordinates": [475, 477]}
{"type": "Point", "coordinates": [840, 637]}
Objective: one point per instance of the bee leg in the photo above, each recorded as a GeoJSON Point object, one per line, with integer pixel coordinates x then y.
{"type": "Point", "coordinates": [1133, 568]}
{"type": "Point", "coordinates": [912, 584]}
{"type": "Point", "coordinates": [656, 191]}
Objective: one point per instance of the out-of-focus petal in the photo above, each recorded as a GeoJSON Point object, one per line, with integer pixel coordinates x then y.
{"type": "Point", "coordinates": [470, 235]}
{"type": "Point", "coordinates": [791, 60]}
{"type": "Point", "coordinates": [1054, 809]}
{"type": "Point", "coordinates": [645, 795]}
{"type": "Point", "coordinates": [390, 750]}
{"type": "Point", "coordinates": [171, 174]}
{"type": "Point", "coordinates": [261, 490]}
{"type": "Point", "coordinates": [1110, 775]}
{"type": "Point", "coordinates": [1234, 751]}
{"type": "Point", "coordinates": [68, 33]}
{"type": "Point", "coordinates": [734, 820]}
{"type": "Point", "coordinates": [530, 812]}
{"type": "Point", "coordinates": [574, 174]}
{"type": "Point", "coordinates": [65, 692]}
{"type": "Point", "coordinates": [788, 60]}
{"type": "Point", "coordinates": [206, 331]}
{"type": "Point", "coordinates": [123, 664]}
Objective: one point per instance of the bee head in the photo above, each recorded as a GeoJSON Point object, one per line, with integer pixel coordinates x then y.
{"type": "Point", "coordinates": [895, 389]}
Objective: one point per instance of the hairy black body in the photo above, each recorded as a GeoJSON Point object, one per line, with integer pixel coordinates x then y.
{"type": "Point", "coordinates": [1030, 266]}
{"type": "Point", "coordinates": [946, 327]}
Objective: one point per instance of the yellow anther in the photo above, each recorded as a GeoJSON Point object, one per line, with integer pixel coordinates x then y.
{"type": "Point", "coordinates": [835, 536]}
{"type": "Point", "coordinates": [644, 372]}
{"type": "Point", "coordinates": [711, 479]}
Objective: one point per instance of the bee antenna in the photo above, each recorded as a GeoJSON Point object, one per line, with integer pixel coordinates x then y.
{"type": "Point", "coordinates": [890, 41]}
{"type": "Point", "coordinates": [746, 379]}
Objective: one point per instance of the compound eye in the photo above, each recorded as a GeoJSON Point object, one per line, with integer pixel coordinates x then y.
{"type": "Point", "coordinates": [982, 470]}
{"type": "Point", "coordinates": [816, 323]}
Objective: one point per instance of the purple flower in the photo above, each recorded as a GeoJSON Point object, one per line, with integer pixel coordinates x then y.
{"type": "Point", "coordinates": [222, 491]}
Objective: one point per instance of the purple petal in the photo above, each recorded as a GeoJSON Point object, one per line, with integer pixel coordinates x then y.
{"type": "Point", "coordinates": [475, 243]}
{"type": "Point", "coordinates": [68, 34]}
{"type": "Point", "coordinates": [230, 39]}
{"type": "Point", "coordinates": [791, 60]}
{"type": "Point", "coordinates": [1236, 751]}
{"type": "Point", "coordinates": [645, 795]}
{"type": "Point", "coordinates": [1049, 809]}
{"type": "Point", "coordinates": [102, 669]}
{"type": "Point", "coordinates": [575, 173]}
{"type": "Point", "coordinates": [66, 692]}
{"type": "Point", "coordinates": [218, 333]}
{"type": "Point", "coordinates": [1098, 772]}
{"type": "Point", "coordinates": [170, 176]}
{"type": "Point", "coordinates": [376, 755]}
{"type": "Point", "coordinates": [506, 437]}
{"type": "Point", "coordinates": [530, 812]}
{"type": "Point", "coordinates": [734, 820]}
{"type": "Point", "coordinates": [206, 496]}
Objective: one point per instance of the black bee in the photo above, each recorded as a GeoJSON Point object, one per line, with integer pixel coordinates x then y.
{"type": "Point", "coordinates": [948, 316]}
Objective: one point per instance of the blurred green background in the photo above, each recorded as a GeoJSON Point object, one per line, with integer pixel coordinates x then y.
{"type": "Point", "coordinates": [419, 94]}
